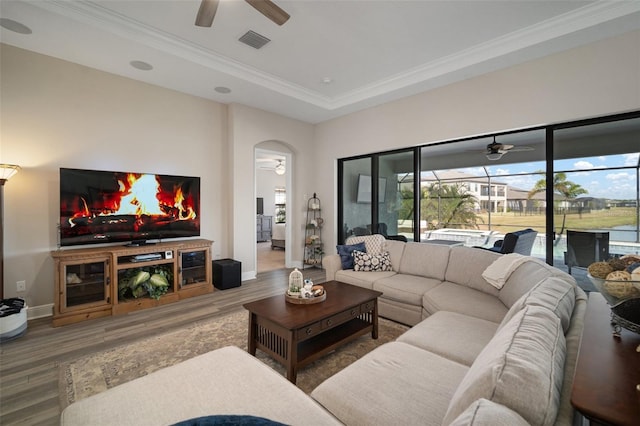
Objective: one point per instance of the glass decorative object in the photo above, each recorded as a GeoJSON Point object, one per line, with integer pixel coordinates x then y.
{"type": "Point", "coordinates": [295, 283]}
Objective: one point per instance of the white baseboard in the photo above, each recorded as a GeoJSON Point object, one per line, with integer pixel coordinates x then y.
{"type": "Point", "coordinates": [251, 275]}
{"type": "Point", "coordinates": [41, 311]}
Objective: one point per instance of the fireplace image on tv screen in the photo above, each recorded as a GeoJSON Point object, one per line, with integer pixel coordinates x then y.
{"type": "Point", "coordinates": [102, 207]}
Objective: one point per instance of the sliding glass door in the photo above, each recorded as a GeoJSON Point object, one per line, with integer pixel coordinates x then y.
{"type": "Point", "coordinates": [577, 180]}
{"type": "Point", "coordinates": [396, 210]}
{"type": "Point", "coordinates": [354, 212]}
{"type": "Point", "coordinates": [595, 187]}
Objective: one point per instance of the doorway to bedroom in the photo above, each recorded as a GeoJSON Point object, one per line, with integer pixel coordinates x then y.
{"type": "Point", "coordinates": [271, 210]}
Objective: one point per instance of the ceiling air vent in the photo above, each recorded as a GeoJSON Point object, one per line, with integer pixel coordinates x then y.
{"type": "Point", "coordinates": [253, 39]}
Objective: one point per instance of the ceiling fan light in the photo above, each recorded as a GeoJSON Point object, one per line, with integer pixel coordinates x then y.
{"type": "Point", "coordinates": [280, 169]}
{"type": "Point", "coordinates": [493, 156]}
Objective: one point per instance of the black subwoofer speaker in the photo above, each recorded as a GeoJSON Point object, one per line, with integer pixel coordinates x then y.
{"type": "Point", "coordinates": [226, 273]}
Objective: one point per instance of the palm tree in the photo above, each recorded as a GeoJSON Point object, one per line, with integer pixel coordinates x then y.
{"type": "Point", "coordinates": [569, 190]}
{"type": "Point", "coordinates": [449, 206]}
{"type": "Point", "coordinates": [561, 185]}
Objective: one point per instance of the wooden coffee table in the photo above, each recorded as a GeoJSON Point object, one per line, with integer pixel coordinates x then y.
{"type": "Point", "coordinates": [296, 335]}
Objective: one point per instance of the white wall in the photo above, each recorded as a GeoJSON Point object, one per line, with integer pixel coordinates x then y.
{"type": "Point", "coordinates": [249, 127]}
{"type": "Point", "coordinates": [57, 114]}
{"type": "Point", "coordinates": [598, 79]}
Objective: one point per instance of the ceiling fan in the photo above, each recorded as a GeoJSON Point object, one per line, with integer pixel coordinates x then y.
{"type": "Point", "coordinates": [496, 150]}
{"type": "Point", "coordinates": [274, 164]}
{"type": "Point", "coordinates": [268, 8]}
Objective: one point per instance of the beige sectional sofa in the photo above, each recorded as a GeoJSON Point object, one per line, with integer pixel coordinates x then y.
{"type": "Point", "coordinates": [476, 354]}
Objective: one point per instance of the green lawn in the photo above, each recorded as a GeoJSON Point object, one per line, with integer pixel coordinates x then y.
{"type": "Point", "coordinates": [597, 219]}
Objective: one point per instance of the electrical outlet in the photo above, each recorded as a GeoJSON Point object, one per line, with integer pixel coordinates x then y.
{"type": "Point", "coordinates": [21, 286]}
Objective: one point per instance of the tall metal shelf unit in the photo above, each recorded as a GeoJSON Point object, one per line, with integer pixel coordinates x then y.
{"type": "Point", "coordinates": [313, 246]}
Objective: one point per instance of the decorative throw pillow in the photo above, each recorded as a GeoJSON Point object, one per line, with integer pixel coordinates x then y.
{"type": "Point", "coordinates": [376, 243]}
{"type": "Point", "coordinates": [371, 262]}
{"type": "Point", "coordinates": [346, 254]}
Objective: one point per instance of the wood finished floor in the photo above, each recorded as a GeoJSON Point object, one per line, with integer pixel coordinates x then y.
{"type": "Point", "coordinates": [29, 365]}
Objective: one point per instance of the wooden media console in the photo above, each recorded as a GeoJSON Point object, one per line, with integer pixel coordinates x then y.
{"type": "Point", "coordinates": [101, 281]}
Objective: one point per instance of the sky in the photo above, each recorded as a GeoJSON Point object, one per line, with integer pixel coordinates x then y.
{"type": "Point", "coordinates": [588, 172]}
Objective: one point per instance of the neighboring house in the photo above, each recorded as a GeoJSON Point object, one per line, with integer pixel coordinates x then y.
{"type": "Point", "coordinates": [491, 195]}
{"type": "Point", "coordinates": [519, 201]}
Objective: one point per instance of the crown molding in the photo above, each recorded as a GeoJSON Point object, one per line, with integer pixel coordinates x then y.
{"type": "Point", "coordinates": [579, 19]}
{"type": "Point", "coordinates": [94, 14]}
{"type": "Point", "coordinates": [582, 18]}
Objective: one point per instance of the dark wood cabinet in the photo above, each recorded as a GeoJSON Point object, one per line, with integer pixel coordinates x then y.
{"type": "Point", "coordinates": [607, 378]}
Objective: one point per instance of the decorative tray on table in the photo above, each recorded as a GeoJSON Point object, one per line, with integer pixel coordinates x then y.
{"type": "Point", "coordinates": [317, 295]}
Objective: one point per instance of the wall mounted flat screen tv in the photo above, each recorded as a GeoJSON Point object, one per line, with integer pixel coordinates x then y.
{"type": "Point", "coordinates": [105, 207]}
{"type": "Point", "coordinates": [363, 194]}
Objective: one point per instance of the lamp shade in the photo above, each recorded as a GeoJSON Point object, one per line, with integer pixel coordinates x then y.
{"type": "Point", "coordinates": [494, 156]}
{"type": "Point", "coordinates": [7, 171]}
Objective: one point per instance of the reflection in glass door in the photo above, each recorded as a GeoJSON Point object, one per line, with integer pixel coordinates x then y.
{"type": "Point", "coordinates": [396, 201]}
{"type": "Point", "coordinates": [355, 203]}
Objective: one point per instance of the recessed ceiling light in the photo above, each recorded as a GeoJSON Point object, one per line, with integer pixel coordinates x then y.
{"type": "Point", "coordinates": [16, 27]}
{"type": "Point", "coordinates": [327, 80]}
{"type": "Point", "coordinates": [223, 90]}
{"type": "Point", "coordinates": [141, 65]}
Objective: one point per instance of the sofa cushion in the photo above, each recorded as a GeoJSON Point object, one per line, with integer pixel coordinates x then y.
{"type": "Point", "coordinates": [227, 380]}
{"type": "Point", "coordinates": [363, 261]}
{"type": "Point", "coordinates": [361, 279]}
{"type": "Point", "coordinates": [462, 299]}
{"type": "Point", "coordinates": [553, 293]}
{"type": "Point", "coordinates": [521, 367]}
{"type": "Point", "coordinates": [396, 250]}
{"type": "Point", "coordinates": [455, 336]}
{"type": "Point", "coordinates": [395, 381]}
{"type": "Point", "coordinates": [487, 413]}
{"type": "Point", "coordinates": [375, 243]}
{"type": "Point", "coordinates": [405, 288]}
{"type": "Point", "coordinates": [425, 260]}
{"type": "Point", "coordinates": [466, 265]}
{"type": "Point", "coordinates": [346, 254]}
{"type": "Point", "coordinates": [525, 277]}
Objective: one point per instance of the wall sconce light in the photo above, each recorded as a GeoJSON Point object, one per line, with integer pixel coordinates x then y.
{"type": "Point", "coordinates": [280, 168]}
{"type": "Point", "coordinates": [6, 172]}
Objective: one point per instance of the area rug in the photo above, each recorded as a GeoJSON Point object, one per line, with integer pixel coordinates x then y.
{"type": "Point", "coordinates": [98, 372]}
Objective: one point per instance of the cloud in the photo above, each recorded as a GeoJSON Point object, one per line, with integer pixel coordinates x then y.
{"type": "Point", "coordinates": [631, 159]}
{"type": "Point", "coordinates": [582, 165]}
{"type": "Point", "coordinates": [620, 176]}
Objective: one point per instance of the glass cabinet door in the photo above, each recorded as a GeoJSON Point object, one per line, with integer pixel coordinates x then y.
{"type": "Point", "coordinates": [85, 284]}
{"type": "Point", "coordinates": [193, 267]}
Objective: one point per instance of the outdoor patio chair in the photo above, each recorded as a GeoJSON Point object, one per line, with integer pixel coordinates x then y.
{"type": "Point", "coordinates": [520, 242]}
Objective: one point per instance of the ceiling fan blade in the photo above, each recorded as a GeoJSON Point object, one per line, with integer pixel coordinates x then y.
{"type": "Point", "coordinates": [522, 149]}
{"type": "Point", "coordinates": [206, 13]}
{"type": "Point", "coordinates": [270, 10]}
